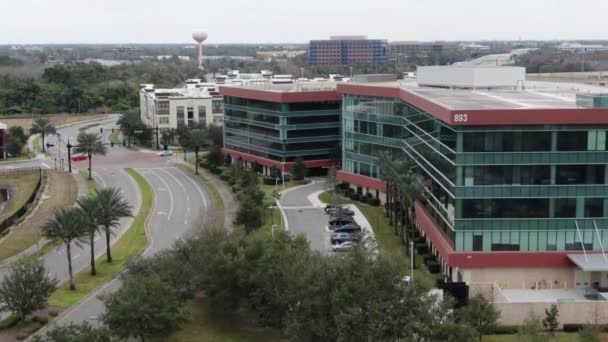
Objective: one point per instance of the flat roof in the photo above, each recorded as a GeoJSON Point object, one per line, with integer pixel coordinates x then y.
{"type": "Point", "coordinates": [590, 262]}
{"type": "Point", "coordinates": [307, 91]}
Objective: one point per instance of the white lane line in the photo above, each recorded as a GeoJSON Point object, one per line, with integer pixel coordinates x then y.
{"type": "Point", "coordinates": [75, 256]}
{"type": "Point", "coordinates": [97, 238]}
{"type": "Point", "coordinates": [197, 187]}
{"type": "Point", "coordinates": [43, 164]}
{"type": "Point", "coordinates": [182, 186]}
{"type": "Point", "coordinates": [96, 175]}
{"type": "Point", "coordinates": [170, 195]}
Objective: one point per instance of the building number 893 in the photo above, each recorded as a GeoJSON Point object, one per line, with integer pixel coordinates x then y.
{"type": "Point", "coordinates": [461, 118]}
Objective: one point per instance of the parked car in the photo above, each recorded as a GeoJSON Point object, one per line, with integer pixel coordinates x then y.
{"type": "Point", "coordinates": [78, 157]}
{"type": "Point", "coordinates": [343, 247]}
{"type": "Point", "coordinates": [339, 211]}
{"type": "Point", "coordinates": [330, 206]}
{"type": "Point", "coordinates": [166, 153]}
{"type": "Point", "coordinates": [337, 238]}
{"type": "Point", "coordinates": [350, 228]}
{"type": "Point", "coordinates": [340, 221]}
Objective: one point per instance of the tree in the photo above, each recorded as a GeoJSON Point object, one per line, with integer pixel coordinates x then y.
{"type": "Point", "coordinates": [480, 314]}
{"type": "Point", "coordinates": [550, 322]}
{"type": "Point", "coordinates": [249, 215]}
{"type": "Point", "coordinates": [143, 307]}
{"type": "Point", "coordinates": [198, 137]}
{"type": "Point", "coordinates": [112, 207]}
{"type": "Point", "coordinates": [215, 157]}
{"type": "Point", "coordinates": [216, 135]}
{"type": "Point", "coordinates": [129, 122]}
{"type": "Point", "coordinates": [332, 180]}
{"type": "Point", "coordinates": [89, 211]}
{"type": "Point", "coordinates": [83, 332]}
{"type": "Point", "coordinates": [299, 169]}
{"type": "Point", "coordinates": [91, 144]}
{"type": "Point", "coordinates": [166, 137]}
{"type": "Point", "coordinates": [43, 127]}
{"type": "Point", "coordinates": [532, 329]}
{"type": "Point", "coordinates": [26, 289]}
{"type": "Point", "coordinates": [65, 226]}
{"type": "Point", "coordinates": [14, 146]}
{"type": "Point", "coordinates": [17, 132]}
{"type": "Point", "coordinates": [248, 179]}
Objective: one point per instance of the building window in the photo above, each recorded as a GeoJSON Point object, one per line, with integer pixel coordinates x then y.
{"type": "Point", "coordinates": [594, 207]}
{"type": "Point", "coordinates": [162, 107]}
{"type": "Point", "coordinates": [565, 207]}
{"type": "Point", "coordinates": [580, 174]}
{"type": "Point", "coordinates": [163, 120]}
{"type": "Point", "coordinates": [217, 106]}
{"type": "Point", "coordinates": [572, 141]}
{"type": "Point", "coordinates": [180, 115]}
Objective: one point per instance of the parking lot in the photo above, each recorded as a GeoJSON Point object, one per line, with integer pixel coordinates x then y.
{"type": "Point", "coordinates": [305, 215]}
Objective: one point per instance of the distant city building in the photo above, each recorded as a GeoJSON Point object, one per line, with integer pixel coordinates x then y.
{"type": "Point", "coordinates": [474, 46]}
{"type": "Point", "coordinates": [399, 51]}
{"type": "Point", "coordinates": [273, 124]}
{"type": "Point", "coordinates": [281, 54]}
{"type": "Point", "coordinates": [348, 50]}
{"type": "Point", "coordinates": [577, 47]}
{"type": "Point", "coordinates": [3, 128]}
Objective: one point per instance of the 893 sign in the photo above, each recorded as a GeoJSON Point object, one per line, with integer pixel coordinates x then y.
{"type": "Point", "coordinates": [461, 118]}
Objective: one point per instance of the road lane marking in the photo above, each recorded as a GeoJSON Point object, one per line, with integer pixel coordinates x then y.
{"type": "Point", "coordinates": [198, 188]}
{"type": "Point", "coordinates": [43, 164]}
{"type": "Point", "coordinates": [170, 194]}
{"type": "Point", "coordinates": [75, 256]}
{"type": "Point", "coordinates": [96, 175]}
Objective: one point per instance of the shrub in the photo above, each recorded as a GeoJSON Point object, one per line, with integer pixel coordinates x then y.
{"type": "Point", "coordinates": [375, 202]}
{"type": "Point", "coordinates": [421, 248]}
{"type": "Point", "coordinates": [53, 313]}
{"type": "Point", "coordinates": [9, 322]}
{"type": "Point", "coordinates": [433, 266]}
{"type": "Point", "coordinates": [354, 196]}
{"type": "Point", "coordinates": [429, 258]}
{"type": "Point", "coordinates": [363, 199]}
{"type": "Point", "coordinates": [40, 319]}
{"type": "Point", "coordinates": [225, 177]}
{"type": "Point", "coordinates": [271, 181]}
{"type": "Point", "coordinates": [506, 329]}
{"type": "Point", "coordinates": [216, 170]}
{"type": "Point", "coordinates": [573, 327]}
{"type": "Point", "coordinates": [21, 336]}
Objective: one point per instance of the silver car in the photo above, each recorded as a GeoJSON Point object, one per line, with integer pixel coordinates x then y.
{"type": "Point", "coordinates": [343, 247]}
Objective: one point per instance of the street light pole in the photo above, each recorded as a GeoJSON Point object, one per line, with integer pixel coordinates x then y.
{"type": "Point", "coordinates": [412, 261]}
{"type": "Point", "coordinates": [69, 147]}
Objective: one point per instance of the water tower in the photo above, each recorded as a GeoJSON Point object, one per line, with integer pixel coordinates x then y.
{"type": "Point", "coordinates": [199, 37]}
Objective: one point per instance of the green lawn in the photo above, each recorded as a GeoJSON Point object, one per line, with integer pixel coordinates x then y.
{"type": "Point", "coordinates": [91, 185]}
{"type": "Point", "coordinates": [388, 242]}
{"type": "Point", "coordinates": [130, 245]}
{"type": "Point", "coordinates": [38, 143]}
{"type": "Point", "coordinates": [559, 337]}
{"type": "Point", "coordinates": [24, 185]}
{"type": "Point", "coordinates": [203, 327]}
{"type": "Point", "coordinates": [273, 216]}
{"type": "Point", "coordinates": [218, 203]}
{"type": "Point", "coordinates": [115, 137]}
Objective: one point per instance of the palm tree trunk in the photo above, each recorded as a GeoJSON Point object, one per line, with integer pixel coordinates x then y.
{"type": "Point", "coordinates": [92, 242]}
{"type": "Point", "coordinates": [90, 170]}
{"type": "Point", "coordinates": [196, 161]}
{"type": "Point", "coordinates": [42, 136]}
{"type": "Point", "coordinates": [108, 250]}
{"type": "Point", "coordinates": [69, 254]}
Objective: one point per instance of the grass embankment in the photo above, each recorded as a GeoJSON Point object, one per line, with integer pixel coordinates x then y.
{"type": "Point", "coordinates": [115, 137]}
{"type": "Point", "coordinates": [38, 144]}
{"type": "Point", "coordinates": [23, 186]}
{"type": "Point", "coordinates": [62, 192]}
{"type": "Point", "coordinates": [203, 327]}
{"type": "Point", "coordinates": [559, 337]}
{"type": "Point", "coordinates": [130, 245]}
{"type": "Point", "coordinates": [91, 185]}
{"type": "Point", "coordinates": [389, 244]}
{"type": "Point", "coordinates": [218, 202]}
{"type": "Point", "coordinates": [273, 216]}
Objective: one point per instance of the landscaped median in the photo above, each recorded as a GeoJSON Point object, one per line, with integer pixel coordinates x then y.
{"type": "Point", "coordinates": [130, 245]}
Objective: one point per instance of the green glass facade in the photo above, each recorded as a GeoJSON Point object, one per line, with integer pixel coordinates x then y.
{"type": "Point", "coordinates": [282, 131]}
{"type": "Point", "coordinates": [491, 188]}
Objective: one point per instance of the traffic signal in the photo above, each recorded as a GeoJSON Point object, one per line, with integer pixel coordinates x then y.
{"type": "Point", "coordinates": [112, 130]}
{"type": "Point", "coordinates": [100, 129]}
{"type": "Point", "coordinates": [112, 143]}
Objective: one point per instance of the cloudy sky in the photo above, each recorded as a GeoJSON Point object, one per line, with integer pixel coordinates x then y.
{"type": "Point", "coordinates": [232, 21]}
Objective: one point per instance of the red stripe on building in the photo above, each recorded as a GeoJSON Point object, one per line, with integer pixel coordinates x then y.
{"type": "Point", "coordinates": [276, 164]}
{"type": "Point", "coordinates": [281, 96]}
{"type": "Point", "coordinates": [362, 181]}
{"type": "Point", "coordinates": [444, 248]}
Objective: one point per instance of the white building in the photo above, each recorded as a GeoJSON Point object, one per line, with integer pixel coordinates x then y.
{"type": "Point", "coordinates": [577, 47]}
{"type": "Point", "coordinates": [195, 103]}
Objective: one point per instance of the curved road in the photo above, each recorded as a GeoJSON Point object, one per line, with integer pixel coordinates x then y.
{"type": "Point", "coordinates": [180, 203]}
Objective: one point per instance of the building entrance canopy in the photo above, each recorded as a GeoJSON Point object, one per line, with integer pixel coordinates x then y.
{"type": "Point", "coordinates": [596, 262]}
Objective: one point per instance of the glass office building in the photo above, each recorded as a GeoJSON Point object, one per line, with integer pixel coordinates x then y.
{"type": "Point", "coordinates": [274, 125]}
{"type": "Point", "coordinates": [506, 175]}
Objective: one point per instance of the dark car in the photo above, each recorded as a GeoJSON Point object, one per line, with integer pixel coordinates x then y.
{"type": "Point", "coordinates": [340, 221]}
{"type": "Point", "coordinates": [348, 228]}
{"type": "Point", "coordinates": [339, 211]}
{"type": "Point", "coordinates": [343, 237]}
{"type": "Point", "coordinates": [330, 207]}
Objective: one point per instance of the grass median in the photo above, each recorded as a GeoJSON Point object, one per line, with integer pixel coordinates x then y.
{"type": "Point", "coordinates": [130, 245]}
{"type": "Point", "coordinates": [91, 184]}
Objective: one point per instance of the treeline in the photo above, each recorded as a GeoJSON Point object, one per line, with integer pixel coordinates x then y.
{"type": "Point", "coordinates": [85, 87]}
{"type": "Point", "coordinates": [553, 60]}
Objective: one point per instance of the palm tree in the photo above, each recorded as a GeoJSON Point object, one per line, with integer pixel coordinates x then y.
{"type": "Point", "coordinates": [65, 226]}
{"type": "Point", "coordinates": [89, 211]}
{"type": "Point", "coordinates": [198, 138]}
{"type": "Point", "coordinates": [43, 127]}
{"type": "Point", "coordinates": [112, 207]}
{"type": "Point", "coordinates": [90, 143]}
{"type": "Point", "coordinates": [167, 136]}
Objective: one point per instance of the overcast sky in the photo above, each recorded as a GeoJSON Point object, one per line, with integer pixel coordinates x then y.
{"type": "Point", "coordinates": [248, 21]}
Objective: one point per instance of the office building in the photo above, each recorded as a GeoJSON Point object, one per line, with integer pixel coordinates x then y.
{"type": "Point", "coordinates": [577, 47]}
{"type": "Point", "coordinates": [347, 50]}
{"type": "Point", "coordinates": [515, 179]}
{"type": "Point", "coordinates": [274, 124]}
{"type": "Point", "coordinates": [400, 51]}
{"type": "Point", "coordinates": [197, 102]}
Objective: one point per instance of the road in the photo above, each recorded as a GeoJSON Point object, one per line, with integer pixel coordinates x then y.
{"type": "Point", "coordinates": [180, 203]}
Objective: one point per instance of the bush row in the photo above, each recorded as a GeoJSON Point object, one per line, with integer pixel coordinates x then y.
{"type": "Point", "coordinates": [349, 192]}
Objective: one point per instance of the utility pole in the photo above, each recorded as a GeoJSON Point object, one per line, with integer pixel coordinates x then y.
{"type": "Point", "coordinates": [69, 147]}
